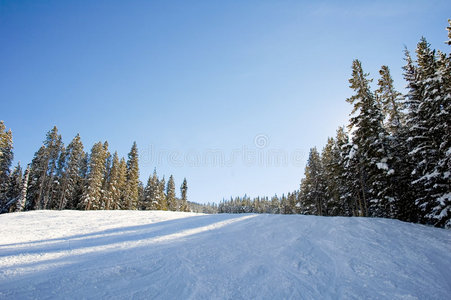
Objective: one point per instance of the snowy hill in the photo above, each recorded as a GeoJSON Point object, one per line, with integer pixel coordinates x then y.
{"type": "Point", "coordinates": [169, 255]}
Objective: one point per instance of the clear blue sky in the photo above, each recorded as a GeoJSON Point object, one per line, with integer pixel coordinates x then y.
{"type": "Point", "coordinates": [185, 79]}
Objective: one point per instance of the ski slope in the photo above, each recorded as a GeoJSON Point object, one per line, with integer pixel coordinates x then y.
{"type": "Point", "coordinates": [173, 255]}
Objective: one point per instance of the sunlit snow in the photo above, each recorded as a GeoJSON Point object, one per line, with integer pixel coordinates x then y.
{"type": "Point", "coordinates": [173, 255]}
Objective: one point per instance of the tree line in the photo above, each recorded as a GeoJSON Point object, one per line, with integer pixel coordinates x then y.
{"type": "Point", "coordinates": [62, 177]}
{"type": "Point", "coordinates": [394, 158]}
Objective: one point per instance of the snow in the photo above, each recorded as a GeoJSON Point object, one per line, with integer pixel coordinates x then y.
{"type": "Point", "coordinates": [174, 255]}
{"type": "Point", "coordinates": [382, 165]}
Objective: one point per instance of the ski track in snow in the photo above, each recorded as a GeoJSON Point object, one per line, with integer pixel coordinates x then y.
{"type": "Point", "coordinates": [173, 255]}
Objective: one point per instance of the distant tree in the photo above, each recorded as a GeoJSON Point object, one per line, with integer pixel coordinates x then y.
{"type": "Point", "coordinates": [162, 201]}
{"type": "Point", "coordinates": [183, 193]}
{"type": "Point", "coordinates": [275, 205]}
{"type": "Point", "coordinates": [151, 192]}
{"type": "Point", "coordinates": [141, 203]}
{"type": "Point", "coordinates": [131, 194]}
{"type": "Point", "coordinates": [170, 194]}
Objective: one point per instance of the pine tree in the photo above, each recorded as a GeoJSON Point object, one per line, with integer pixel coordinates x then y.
{"type": "Point", "coordinates": [93, 190]}
{"type": "Point", "coordinates": [429, 131]}
{"type": "Point", "coordinates": [449, 32]}
{"type": "Point", "coordinates": [105, 192]}
{"type": "Point", "coordinates": [53, 148]}
{"type": "Point", "coordinates": [312, 186]}
{"type": "Point", "coordinates": [81, 183]}
{"type": "Point", "coordinates": [122, 183]}
{"type": "Point", "coordinates": [131, 195]}
{"type": "Point", "coordinates": [170, 194]}
{"type": "Point", "coordinates": [183, 193]}
{"type": "Point", "coordinates": [151, 192]}
{"type": "Point", "coordinates": [370, 143]}
{"type": "Point", "coordinates": [345, 169]}
{"type": "Point", "coordinates": [71, 176]}
{"type": "Point", "coordinates": [162, 202]}
{"type": "Point", "coordinates": [14, 189]}
{"type": "Point", "coordinates": [6, 158]}
{"type": "Point", "coordinates": [285, 205]}
{"type": "Point", "coordinates": [58, 179]}
{"type": "Point", "coordinates": [38, 171]}
{"type": "Point", "coordinates": [23, 193]}
{"type": "Point", "coordinates": [391, 101]}
{"type": "Point", "coordinates": [274, 206]}
{"type": "Point", "coordinates": [141, 203]}
{"type": "Point", "coordinates": [329, 162]}
{"type": "Point", "coordinates": [113, 198]}
{"type": "Point", "coordinates": [43, 175]}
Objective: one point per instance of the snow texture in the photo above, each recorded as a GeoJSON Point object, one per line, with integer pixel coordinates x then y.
{"type": "Point", "coordinates": [173, 255]}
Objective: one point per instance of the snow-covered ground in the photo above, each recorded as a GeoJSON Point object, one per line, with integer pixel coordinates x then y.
{"type": "Point", "coordinates": [168, 255]}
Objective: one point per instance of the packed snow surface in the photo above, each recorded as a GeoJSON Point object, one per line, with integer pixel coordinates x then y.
{"type": "Point", "coordinates": [171, 255]}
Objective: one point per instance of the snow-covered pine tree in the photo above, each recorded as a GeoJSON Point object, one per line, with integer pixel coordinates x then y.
{"type": "Point", "coordinates": [292, 200]}
{"type": "Point", "coordinates": [344, 168]}
{"type": "Point", "coordinates": [391, 102]}
{"type": "Point", "coordinates": [183, 194]}
{"type": "Point", "coordinates": [48, 166]}
{"type": "Point", "coordinates": [370, 143]}
{"type": "Point", "coordinates": [13, 190]}
{"type": "Point", "coordinates": [38, 171]}
{"type": "Point", "coordinates": [57, 189]}
{"type": "Point", "coordinates": [428, 123]}
{"type": "Point", "coordinates": [6, 158]}
{"type": "Point", "coordinates": [105, 192]}
{"type": "Point", "coordinates": [170, 194]}
{"type": "Point", "coordinates": [93, 190]}
{"type": "Point", "coordinates": [312, 185]}
{"type": "Point", "coordinates": [54, 146]}
{"type": "Point", "coordinates": [274, 206]}
{"type": "Point", "coordinates": [329, 162]}
{"type": "Point", "coordinates": [141, 204]}
{"type": "Point", "coordinates": [74, 154]}
{"type": "Point", "coordinates": [131, 196]}
{"type": "Point", "coordinates": [75, 203]}
{"type": "Point", "coordinates": [20, 206]}
{"type": "Point", "coordinates": [441, 210]}
{"type": "Point", "coordinates": [122, 184]}
{"type": "Point", "coordinates": [393, 107]}
{"type": "Point", "coordinates": [147, 197]}
{"type": "Point", "coordinates": [151, 193]}
{"type": "Point", "coordinates": [162, 201]}
{"type": "Point", "coordinates": [113, 188]}
{"type": "Point", "coordinates": [285, 204]}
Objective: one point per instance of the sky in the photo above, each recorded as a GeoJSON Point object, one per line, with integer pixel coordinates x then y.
{"type": "Point", "coordinates": [229, 94]}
